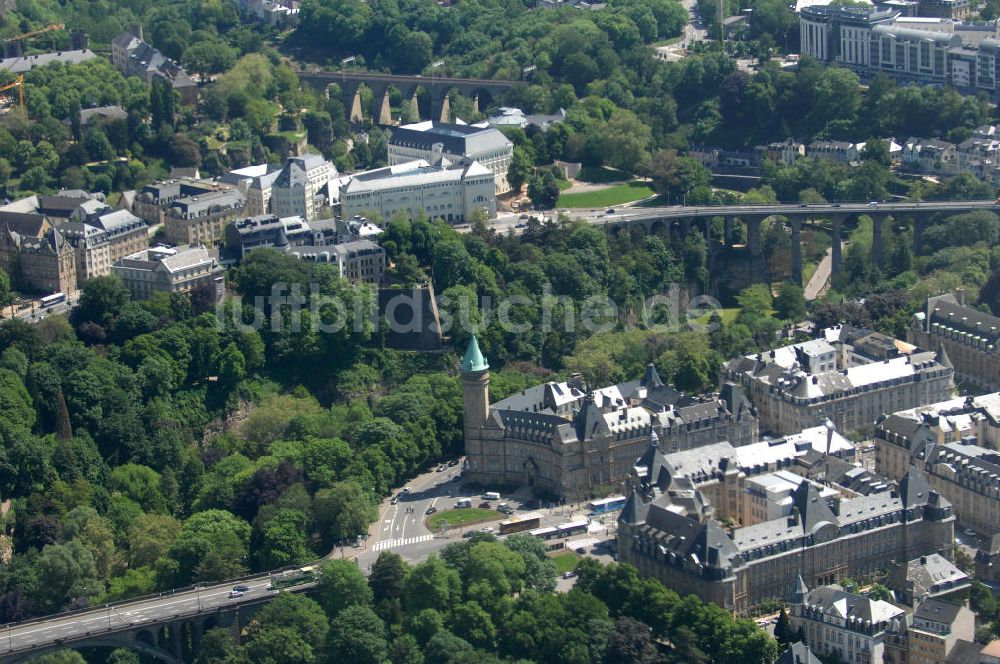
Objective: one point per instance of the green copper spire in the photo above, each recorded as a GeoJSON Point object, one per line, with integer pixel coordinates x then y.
{"type": "Point", "coordinates": [473, 359]}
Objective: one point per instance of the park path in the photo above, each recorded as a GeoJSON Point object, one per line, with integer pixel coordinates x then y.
{"type": "Point", "coordinates": [819, 283]}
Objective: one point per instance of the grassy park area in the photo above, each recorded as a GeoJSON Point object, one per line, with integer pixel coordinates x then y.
{"type": "Point", "coordinates": [565, 561]}
{"type": "Point", "coordinates": [616, 195]}
{"type": "Point", "coordinates": [461, 517]}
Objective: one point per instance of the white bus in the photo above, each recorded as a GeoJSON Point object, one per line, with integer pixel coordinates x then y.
{"type": "Point", "coordinates": [50, 300]}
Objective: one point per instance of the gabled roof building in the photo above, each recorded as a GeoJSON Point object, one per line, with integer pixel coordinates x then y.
{"type": "Point", "coordinates": [669, 530]}
{"type": "Point", "coordinates": [566, 438]}
{"type": "Point", "coordinates": [134, 57]}
{"type": "Point", "coordinates": [849, 375]}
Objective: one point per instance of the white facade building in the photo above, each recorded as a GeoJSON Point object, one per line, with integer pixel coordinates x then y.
{"type": "Point", "coordinates": [836, 622]}
{"type": "Point", "coordinates": [434, 141]}
{"type": "Point", "coordinates": [300, 183]}
{"type": "Point", "coordinates": [445, 191]}
{"type": "Point", "coordinates": [170, 270]}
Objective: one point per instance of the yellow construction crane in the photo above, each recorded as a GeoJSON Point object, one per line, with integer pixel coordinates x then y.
{"type": "Point", "coordinates": [34, 33]}
{"type": "Point", "coordinates": [19, 84]}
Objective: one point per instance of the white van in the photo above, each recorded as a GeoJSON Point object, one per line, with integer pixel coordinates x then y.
{"type": "Point", "coordinates": [491, 495]}
{"type": "Point", "coordinates": [463, 502]}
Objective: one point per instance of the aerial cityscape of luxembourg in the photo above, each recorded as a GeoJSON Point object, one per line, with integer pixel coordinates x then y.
{"type": "Point", "coordinates": [500, 332]}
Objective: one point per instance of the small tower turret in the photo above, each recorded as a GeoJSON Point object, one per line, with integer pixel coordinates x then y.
{"type": "Point", "coordinates": [475, 389]}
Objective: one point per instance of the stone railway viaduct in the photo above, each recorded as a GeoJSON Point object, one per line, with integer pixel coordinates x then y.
{"type": "Point", "coordinates": [440, 89]}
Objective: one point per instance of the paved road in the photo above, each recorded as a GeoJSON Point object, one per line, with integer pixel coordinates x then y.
{"type": "Point", "coordinates": [819, 282]}
{"type": "Point", "coordinates": [38, 314]}
{"type": "Point", "coordinates": [124, 616]}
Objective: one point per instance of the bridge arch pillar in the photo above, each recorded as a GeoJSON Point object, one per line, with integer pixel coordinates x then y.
{"type": "Point", "coordinates": [352, 101]}
{"type": "Point", "coordinates": [877, 227]}
{"type": "Point", "coordinates": [753, 234]}
{"type": "Point", "coordinates": [796, 224]}
{"type": "Point", "coordinates": [383, 108]}
{"type": "Point", "coordinates": [837, 222]}
{"type": "Point", "coordinates": [441, 106]}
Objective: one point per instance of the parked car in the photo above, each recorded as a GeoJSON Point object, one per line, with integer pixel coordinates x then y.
{"type": "Point", "coordinates": [431, 510]}
{"type": "Point", "coordinates": [519, 225]}
{"type": "Point", "coordinates": [970, 532]}
{"type": "Point", "coordinates": [569, 575]}
{"type": "Point", "coordinates": [453, 462]}
{"type": "Point", "coordinates": [487, 529]}
{"type": "Point", "coordinates": [395, 499]}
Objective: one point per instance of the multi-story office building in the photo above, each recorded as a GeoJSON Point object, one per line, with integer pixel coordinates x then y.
{"type": "Point", "coordinates": [255, 183]}
{"type": "Point", "coordinates": [836, 623]}
{"type": "Point", "coordinates": [268, 230]}
{"type": "Point", "coordinates": [566, 438]}
{"type": "Point", "coordinates": [840, 34]}
{"type": "Point", "coordinates": [669, 531]}
{"type": "Point", "coordinates": [953, 9]}
{"type": "Point", "coordinates": [969, 338]}
{"type": "Point", "coordinates": [171, 270]}
{"type": "Point", "coordinates": [850, 376]}
{"type": "Point", "coordinates": [955, 443]}
{"type": "Point", "coordinates": [360, 261]}
{"type": "Point", "coordinates": [458, 143]}
{"type": "Point", "coordinates": [100, 238]}
{"type": "Point", "coordinates": [924, 49]}
{"type": "Point", "coordinates": [47, 264]}
{"type": "Point", "coordinates": [200, 219]}
{"type": "Point", "coordinates": [302, 187]}
{"type": "Point", "coordinates": [152, 201]}
{"type": "Point", "coordinates": [445, 191]}
{"type": "Point", "coordinates": [939, 632]}
{"type": "Point", "coordinates": [252, 233]}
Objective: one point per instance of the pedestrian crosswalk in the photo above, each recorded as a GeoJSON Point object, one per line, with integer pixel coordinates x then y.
{"type": "Point", "coordinates": [394, 543]}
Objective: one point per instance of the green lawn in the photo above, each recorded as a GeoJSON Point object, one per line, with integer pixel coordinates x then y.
{"type": "Point", "coordinates": [565, 561]}
{"type": "Point", "coordinates": [622, 193]}
{"type": "Point", "coordinates": [564, 184]}
{"type": "Point", "coordinates": [463, 516]}
{"type": "Point", "coordinates": [601, 175]}
{"type": "Point", "coordinates": [727, 316]}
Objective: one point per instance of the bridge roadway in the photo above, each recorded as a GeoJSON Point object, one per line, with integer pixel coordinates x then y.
{"type": "Point", "coordinates": [663, 219]}
{"type": "Point", "coordinates": [101, 624]}
{"type": "Point", "coordinates": [635, 215]}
